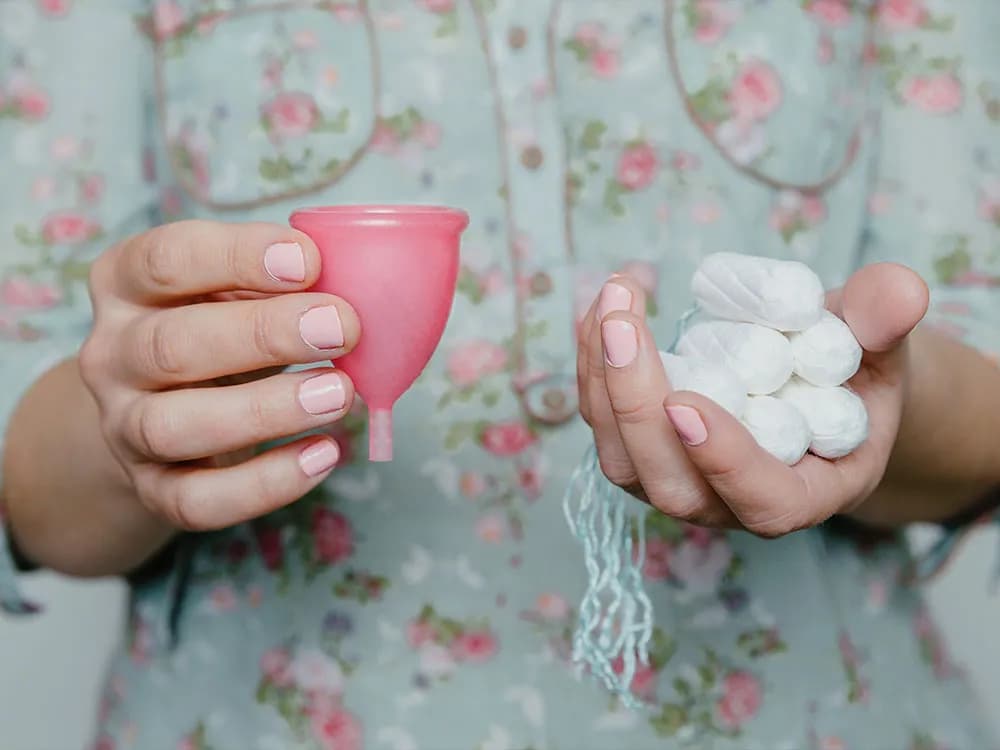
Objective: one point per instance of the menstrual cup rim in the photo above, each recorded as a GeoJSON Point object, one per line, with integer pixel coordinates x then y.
{"type": "Point", "coordinates": [384, 214]}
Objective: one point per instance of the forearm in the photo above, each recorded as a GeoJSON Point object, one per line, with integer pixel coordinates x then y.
{"type": "Point", "coordinates": [68, 502]}
{"type": "Point", "coordinates": [947, 454]}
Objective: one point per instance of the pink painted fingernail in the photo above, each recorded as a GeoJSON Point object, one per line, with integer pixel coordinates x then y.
{"type": "Point", "coordinates": [621, 343]}
{"type": "Point", "coordinates": [319, 457]}
{"type": "Point", "coordinates": [689, 425]}
{"type": "Point", "coordinates": [323, 394]}
{"type": "Point", "coordinates": [614, 298]}
{"type": "Point", "coordinates": [321, 328]}
{"type": "Point", "coordinates": [284, 261]}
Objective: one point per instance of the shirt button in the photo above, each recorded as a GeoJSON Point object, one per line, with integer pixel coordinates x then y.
{"type": "Point", "coordinates": [532, 157]}
{"type": "Point", "coordinates": [517, 37]}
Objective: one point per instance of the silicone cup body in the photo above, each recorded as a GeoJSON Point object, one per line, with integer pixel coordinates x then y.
{"type": "Point", "coordinates": [397, 266]}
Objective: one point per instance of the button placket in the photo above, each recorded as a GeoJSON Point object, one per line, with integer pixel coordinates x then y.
{"type": "Point", "coordinates": [531, 141]}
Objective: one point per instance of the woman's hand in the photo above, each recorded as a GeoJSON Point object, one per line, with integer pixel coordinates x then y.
{"type": "Point", "coordinates": [179, 312]}
{"type": "Point", "coordinates": [692, 460]}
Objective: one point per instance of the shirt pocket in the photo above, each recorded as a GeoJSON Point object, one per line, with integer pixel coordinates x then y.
{"type": "Point", "coordinates": [266, 101]}
{"type": "Point", "coordinates": [693, 126]}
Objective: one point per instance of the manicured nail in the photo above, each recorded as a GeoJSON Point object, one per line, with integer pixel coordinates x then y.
{"type": "Point", "coordinates": [319, 457]}
{"type": "Point", "coordinates": [621, 343]}
{"type": "Point", "coordinates": [323, 394]}
{"type": "Point", "coordinates": [284, 261]}
{"type": "Point", "coordinates": [688, 424]}
{"type": "Point", "coordinates": [614, 298]}
{"type": "Point", "coordinates": [321, 328]}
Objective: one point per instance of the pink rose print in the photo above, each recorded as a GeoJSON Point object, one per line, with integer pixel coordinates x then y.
{"type": "Point", "coordinates": [491, 528]}
{"type": "Point", "coordinates": [475, 646]}
{"type": "Point", "coordinates": [529, 479]}
{"type": "Point", "coordinates": [796, 212]}
{"type": "Point", "coordinates": [831, 12]}
{"type": "Point", "coordinates": [31, 103]}
{"type": "Point", "coordinates": [832, 743]}
{"type": "Point", "coordinates": [333, 537]}
{"type": "Point", "coordinates": [637, 167]}
{"type": "Point", "coordinates": [699, 566]}
{"type": "Point", "coordinates": [685, 161]}
{"type": "Point", "coordinates": [54, 8]}
{"type": "Point", "coordinates": [104, 743]}
{"type": "Point", "coordinates": [507, 438]}
{"type": "Point", "coordinates": [706, 212]}
{"type": "Point", "coordinates": [418, 633]}
{"type": "Point", "coordinates": [346, 12]}
{"type": "Point", "coordinates": [605, 63]}
{"type": "Point", "coordinates": [643, 684]}
{"type": "Point", "coordinates": [271, 547]}
{"type": "Point", "coordinates": [437, 6]}
{"type": "Point", "coordinates": [428, 134]}
{"type": "Point", "coordinates": [471, 484]}
{"type": "Point", "coordinates": [475, 360]}
{"type": "Point", "coordinates": [936, 93]}
{"type": "Point", "coordinates": [21, 292]}
{"type": "Point", "coordinates": [741, 699]}
{"type": "Point", "coordinates": [290, 114]}
{"type": "Point", "coordinates": [902, 15]}
{"type": "Point", "coordinates": [989, 200]}
{"type": "Point", "coordinates": [756, 92]}
{"type": "Point", "coordinates": [336, 730]}
{"type": "Point", "coordinates": [593, 47]}
{"type": "Point", "coordinates": [276, 667]}
{"type": "Point", "coordinates": [713, 19]}
{"type": "Point", "coordinates": [656, 565]}
{"type": "Point", "coordinates": [168, 19]}
{"type": "Point", "coordinates": [92, 188]}
{"type": "Point", "coordinates": [932, 647]}
{"type": "Point", "coordinates": [744, 140]}
{"type": "Point", "coordinates": [69, 228]}
{"type": "Point", "coordinates": [552, 607]}
{"type": "Point", "coordinates": [223, 598]}
{"type": "Point", "coordinates": [825, 50]}
{"type": "Point", "coordinates": [43, 188]}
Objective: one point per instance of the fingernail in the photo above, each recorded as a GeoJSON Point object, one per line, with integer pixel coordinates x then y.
{"type": "Point", "coordinates": [323, 394]}
{"type": "Point", "coordinates": [319, 457]}
{"type": "Point", "coordinates": [284, 261]}
{"type": "Point", "coordinates": [614, 298]}
{"type": "Point", "coordinates": [321, 328]}
{"type": "Point", "coordinates": [621, 344]}
{"type": "Point", "coordinates": [688, 424]}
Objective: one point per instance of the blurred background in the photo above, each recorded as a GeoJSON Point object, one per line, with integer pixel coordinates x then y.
{"type": "Point", "coordinates": [51, 667]}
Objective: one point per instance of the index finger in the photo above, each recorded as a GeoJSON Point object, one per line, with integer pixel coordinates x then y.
{"type": "Point", "coordinates": [189, 259]}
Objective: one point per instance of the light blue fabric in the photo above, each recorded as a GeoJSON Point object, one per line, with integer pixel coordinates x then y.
{"type": "Point", "coordinates": [430, 604]}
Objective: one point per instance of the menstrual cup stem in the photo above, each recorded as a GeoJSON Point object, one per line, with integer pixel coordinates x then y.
{"type": "Point", "coordinates": [380, 435]}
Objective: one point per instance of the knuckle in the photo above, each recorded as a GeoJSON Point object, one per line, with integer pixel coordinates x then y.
{"type": "Point", "coordinates": [776, 526]}
{"type": "Point", "coordinates": [629, 410]}
{"type": "Point", "coordinates": [678, 500]}
{"type": "Point", "coordinates": [262, 333]}
{"type": "Point", "coordinates": [152, 433]}
{"type": "Point", "coordinates": [188, 506]}
{"type": "Point", "coordinates": [619, 471]}
{"type": "Point", "coordinates": [158, 260]}
{"type": "Point", "coordinates": [90, 360]}
{"type": "Point", "coordinates": [162, 355]}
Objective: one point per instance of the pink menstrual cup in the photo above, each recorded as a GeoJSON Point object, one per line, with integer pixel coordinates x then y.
{"type": "Point", "coordinates": [397, 266]}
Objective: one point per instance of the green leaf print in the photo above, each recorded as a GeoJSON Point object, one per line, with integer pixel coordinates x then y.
{"type": "Point", "coordinates": [339, 123]}
{"type": "Point", "coordinates": [613, 198]}
{"type": "Point", "coordinates": [670, 720]}
{"type": "Point", "coordinates": [664, 527]}
{"type": "Point", "coordinates": [468, 285]}
{"type": "Point", "coordinates": [949, 267]}
{"type": "Point", "coordinates": [661, 650]}
{"type": "Point", "coordinates": [578, 48]}
{"type": "Point", "coordinates": [277, 170]}
{"type": "Point", "coordinates": [593, 132]}
{"type": "Point", "coordinates": [448, 25]}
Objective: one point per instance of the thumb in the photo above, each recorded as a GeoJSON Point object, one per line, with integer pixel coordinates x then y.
{"type": "Point", "coordinates": [882, 303]}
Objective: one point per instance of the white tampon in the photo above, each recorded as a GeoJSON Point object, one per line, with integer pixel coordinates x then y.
{"type": "Point", "coordinates": [826, 354]}
{"type": "Point", "coordinates": [760, 357]}
{"type": "Point", "coordinates": [837, 417]}
{"type": "Point", "coordinates": [778, 427]}
{"type": "Point", "coordinates": [711, 380]}
{"type": "Point", "coordinates": [781, 294]}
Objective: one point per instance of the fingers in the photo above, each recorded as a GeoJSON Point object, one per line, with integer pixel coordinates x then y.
{"type": "Point", "coordinates": [637, 387]}
{"type": "Point", "coordinates": [181, 425]}
{"type": "Point", "coordinates": [882, 303]}
{"type": "Point", "coordinates": [192, 258]}
{"type": "Point", "coordinates": [205, 499]}
{"type": "Point", "coordinates": [620, 293]}
{"type": "Point", "coordinates": [767, 497]}
{"type": "Point", "coordinates": [194, 343]}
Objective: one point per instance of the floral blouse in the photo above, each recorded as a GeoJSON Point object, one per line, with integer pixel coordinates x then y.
{"type": "Point", "coordinates": [427, 604]}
